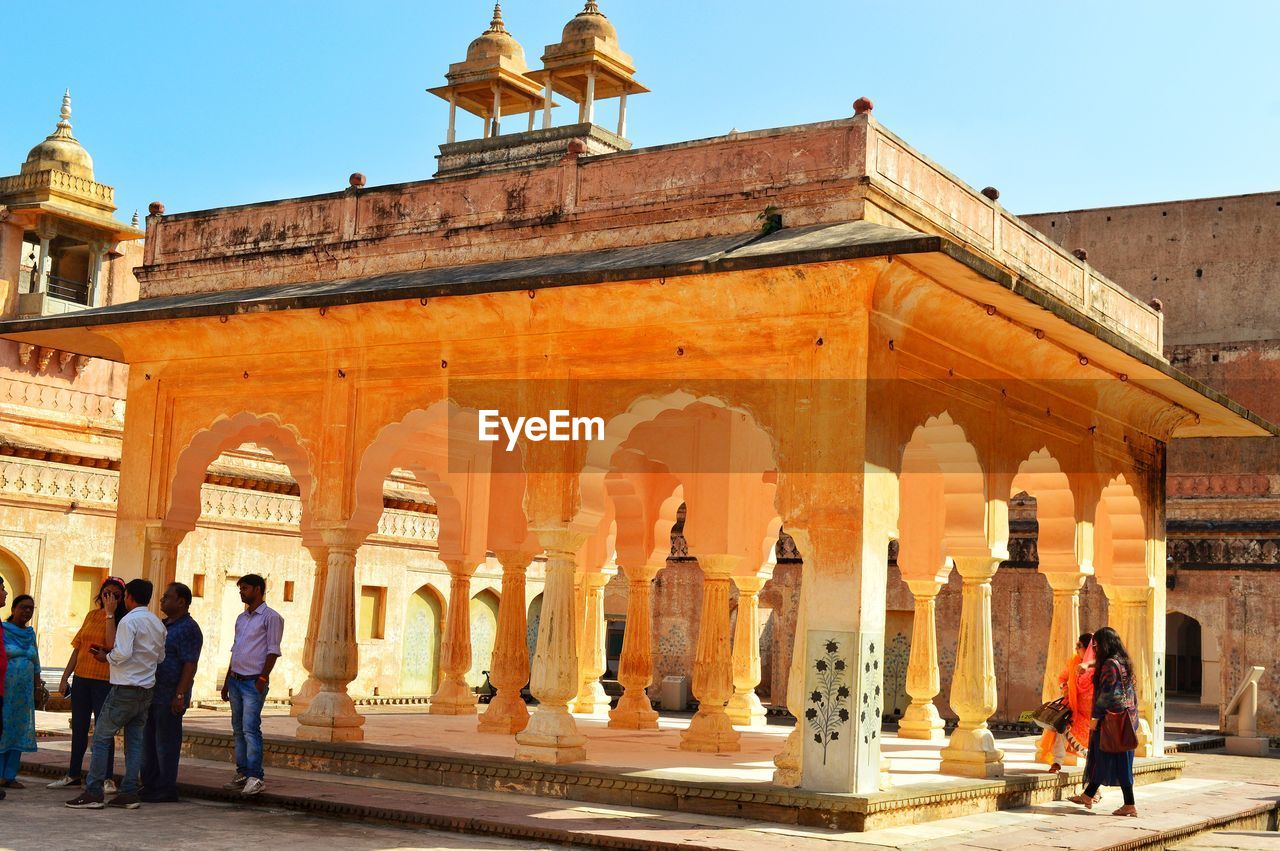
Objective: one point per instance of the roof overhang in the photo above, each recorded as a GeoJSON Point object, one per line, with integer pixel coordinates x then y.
{"type": "Point", "coordinates": [952, 265]}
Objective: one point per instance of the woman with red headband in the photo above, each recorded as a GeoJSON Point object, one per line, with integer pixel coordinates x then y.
{"type": "Point", "coordinates": [89, 688]}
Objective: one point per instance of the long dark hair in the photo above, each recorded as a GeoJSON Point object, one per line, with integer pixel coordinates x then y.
{"type": "Point", "coordinates": [1106, 646]}
{"type": "Point", "coordinates": [110, 580]}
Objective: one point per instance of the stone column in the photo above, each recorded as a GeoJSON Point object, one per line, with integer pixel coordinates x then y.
{"type": "Point", "coordinates": [710, 731]}
{"type": "Point", "coordinates": [331, 715]}
{"type": "Point", "coordinates": [971, 751]}
{"type": "Point", "coordinates": [551, 736]}
{"type": "Point", "coordinates": [162, 559]}
{"type": "Point", "coordinates": [547, 94]}
{"type": "Point", "coordinates": [921, 720]}
{"type": "Point", "coordinates": [1130, 616]}
{"type": "Point", "coordinates": [97, 251]}
{"type": "Point", "coordinates": [506, 712]}
{"type": "Point", "coordinates": [1064, 629]}
{"type": "Point", "coordinates": [591, 699]}
{"type": "Point", "coordinates": [622, 114]}
{"type": "Point", "coordinates": [635, 668]}
{"type": "Point", "coordinates": [788, 761]}
{"type": "Point", "coordinates": [453, 118]}
{"type": "Point", "coordinates": [39, 275]}
{"type": "Point", "coordinates": [589, 102]}
{"type": "Point", "coordinates": [745, 708]}
{"type": "Point", "coordinates": [302, 699]}
{"type": "Point", "coordinates": [454, 696]}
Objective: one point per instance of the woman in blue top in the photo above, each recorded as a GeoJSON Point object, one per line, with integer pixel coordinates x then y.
{"type": "Point", "coordinates": [19, 734]}
{"type": "Point", "coordinates": [1113, 691]}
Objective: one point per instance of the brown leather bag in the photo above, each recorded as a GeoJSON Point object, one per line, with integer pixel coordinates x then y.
{"type": "Point", "coordinates": [1116, 734]}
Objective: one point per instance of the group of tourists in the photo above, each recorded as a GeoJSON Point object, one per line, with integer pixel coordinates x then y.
{"type": "Point", "coordinates": [1098, 692]}
{"type": "Point", "coordinates": [132, 672]}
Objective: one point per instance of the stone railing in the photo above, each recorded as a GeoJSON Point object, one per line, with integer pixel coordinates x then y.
{"type": "Point", "coordinates": [948, 203]}
{"type": "Point", "coordinates": [58, 482]}
{"type": "Point", "coordinates": [58, 180]}
{"type": "Point", "coordinates": [107, 410]}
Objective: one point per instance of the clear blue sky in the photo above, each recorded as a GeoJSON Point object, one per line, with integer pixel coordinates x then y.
{"type": "Point", "coordinates": [1060, 105]}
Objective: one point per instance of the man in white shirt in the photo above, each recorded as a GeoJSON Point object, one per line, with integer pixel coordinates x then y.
{"type": "Point", "coordinates": [135, 646]}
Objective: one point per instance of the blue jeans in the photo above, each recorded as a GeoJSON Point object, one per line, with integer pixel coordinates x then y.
{"type": "Point", "coordinates": [163, 747]}
{"type": "Point", "coordinates": [246, 725]}
{"type": "Point", "coordinates": [125, 709]}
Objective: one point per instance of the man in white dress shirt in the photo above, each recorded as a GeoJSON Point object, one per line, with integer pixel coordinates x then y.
{"type": "Point", "coordinates": [135, 646]}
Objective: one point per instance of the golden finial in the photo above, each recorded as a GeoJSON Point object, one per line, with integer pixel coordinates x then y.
{"type": "Point", "coordinates": [134, 223]}
{"type": "Point", "coordinates": [496, 25]}
{"type": "Point", "coordinates": [591, 8]}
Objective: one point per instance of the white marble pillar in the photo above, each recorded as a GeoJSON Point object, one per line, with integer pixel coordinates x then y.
{"type": "Point", "coordinates": [547, 94]}
{"type": "Point", "coordinates": [506, 712]}
{"type": "Point", "coordinates": [622, 114]}
{"type": "Point", "coordinates": [497, 109]}
{"type": "Point", "coordinates": [331, 715]}
{"type": "Point", "coordinates": [711, 731]}
{"type": "Point", "coordinates": [453, 118]}
{"type": "Point", "coordinates": [921, 720]}
{"type": "Point", "coordinates": [551, 735]}
{"type": "Point", "coordinates": [589, 102]}
{"type": "Point", "coordinates": [745, 708]}
{"type": "Point", "coordinates": [454, 696]}
{"type": "Point", "coordinates": [591, 698]}
{"type": "Point", "coordinates": [971, 750]}
{"type": "Point", "coordinates": [635, 669]}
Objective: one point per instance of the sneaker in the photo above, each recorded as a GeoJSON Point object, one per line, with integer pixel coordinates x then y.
{"type": "Point", "coordinates": [109, 787]}
{"type": "Point", "coordinates": [85, 802]}
{"type": "Point", "coordinates": [236, 784]}
{"type": "Point", "coordinates": [66, 781]}
{"type": "Point", "coordinates": [253, 786]}
{"type": "Point", "coordinates": [127, 802]}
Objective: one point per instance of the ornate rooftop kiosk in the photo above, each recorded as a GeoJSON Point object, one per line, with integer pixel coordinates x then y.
{"type": "Point", "coordinates": [810, 327]}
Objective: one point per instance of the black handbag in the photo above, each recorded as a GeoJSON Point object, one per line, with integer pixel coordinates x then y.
{"type": "Point", "coordinates": [1054, 715]}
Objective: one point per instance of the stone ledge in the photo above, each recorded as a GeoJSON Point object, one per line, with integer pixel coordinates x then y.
{"type": "Point", "coordinates": [910, 805]}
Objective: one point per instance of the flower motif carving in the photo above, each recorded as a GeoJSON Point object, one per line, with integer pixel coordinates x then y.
{"type": "Point", "coordinates": [828, 713]}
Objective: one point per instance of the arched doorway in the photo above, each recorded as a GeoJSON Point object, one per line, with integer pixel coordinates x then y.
{"type": "Point", "coordinates": [15, 576]}
{"type": "Point", "coordinates": [1183, 664]}
{"type": "Point", "coordinates": [419, 674]}
{"type": "Point", "coordinates": [484, 632]}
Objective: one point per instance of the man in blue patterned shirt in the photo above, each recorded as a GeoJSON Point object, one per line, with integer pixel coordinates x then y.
{"type": "Point", "coordinates": [163, 737]}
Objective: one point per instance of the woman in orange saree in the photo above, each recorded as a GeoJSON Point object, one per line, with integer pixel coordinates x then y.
{"type": "Point", "coordinates": [1076, 682]}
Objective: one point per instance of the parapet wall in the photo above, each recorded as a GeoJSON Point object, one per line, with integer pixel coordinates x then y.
{"type": "Point", "coordinates": [812, 174]}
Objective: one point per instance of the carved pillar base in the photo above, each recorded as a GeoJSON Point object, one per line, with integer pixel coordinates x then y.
{"type": "Point", "coordinates": [971, 751]}
{"type": "Point", "coordinates": [301, 699]}
{"type": "Point", "coordinates": [331, 715]}
{"type": "Point", "coordinates": [506, 712]}
{"type": "Point", "coordinates": [551, 736]}
{"type": "Point", "coordinates": [454, 696]}
{"type": "Point", "coordinates": [745, 708]}
{"type": "Point", "coordinates": [635, 668]}
{"type": "Point", "coordinates": [711, 731]}
{"type": "Point", "coordinates": [921, 720]}
{"type": "Point", "coordinates": [591, 698]}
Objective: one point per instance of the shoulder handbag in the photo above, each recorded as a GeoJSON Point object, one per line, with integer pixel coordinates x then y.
{"type": "Point", "coordinates": [1115, 733]}
{"type": "Point", "coordinates": [41, 696]}
{"type": "Point", "coordinates": [1054, 715]}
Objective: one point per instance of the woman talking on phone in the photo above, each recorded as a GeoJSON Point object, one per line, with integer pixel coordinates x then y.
{"type": "Point", "coordinates": [90, 686]}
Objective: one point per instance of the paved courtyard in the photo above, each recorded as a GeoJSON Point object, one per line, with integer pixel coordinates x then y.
{"type": "Point", "coordinates": [34, 818]}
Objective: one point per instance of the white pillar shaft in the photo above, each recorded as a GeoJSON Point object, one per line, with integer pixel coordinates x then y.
{"type": "Point", "coordinates": [39, 273]}
{"type": "Point", "coordinates": [589, 104]}
{"type": "Point", "coordinates": [546, 103]}
{"type": "Point", "coordinates": [622, 114]}
{"type": "Point", "coordinates": [497, 110]}
{"type": "Point", "coordinates": [453, 119]}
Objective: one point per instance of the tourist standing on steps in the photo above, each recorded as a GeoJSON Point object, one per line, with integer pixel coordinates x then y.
{"type": "Point", "coordinates": [20, 679]}
{"type": "Point", "coordinates": [254, 652]}
{"type": "Point", "coordinates": [1115, 707]}
{"type": "Point", "coordinates": [1076, 682]}
{"type": "Point", "coordinates": [163, 737]}
{"type": "Point", "coordinates": [134, 648]}
{"type": "Point", "coordinates": [89, 689]}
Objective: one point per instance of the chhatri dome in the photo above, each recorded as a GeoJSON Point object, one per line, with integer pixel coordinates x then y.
{"type": "Point", "coordinates": [60, 151]}
{"type": "Point", "coordinates": [496, 42]}
{"type": "Point", "coordinates": [590, 23]}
